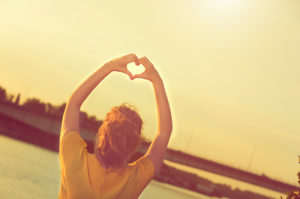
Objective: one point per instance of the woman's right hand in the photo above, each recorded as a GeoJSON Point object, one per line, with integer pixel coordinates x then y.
{"type": "Point", "coordinates": [150, 72]}
{"type": "Point", "coordinates": [120, 64]}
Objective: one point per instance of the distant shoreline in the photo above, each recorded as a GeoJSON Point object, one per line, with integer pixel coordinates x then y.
{"type": "Point", "coordinates": [18, 130]}
{"type": "Point", "coordinates": [23, 132]}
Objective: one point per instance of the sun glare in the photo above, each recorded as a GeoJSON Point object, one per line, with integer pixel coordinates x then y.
{"type": "Point", "coordinates": [222, 5]}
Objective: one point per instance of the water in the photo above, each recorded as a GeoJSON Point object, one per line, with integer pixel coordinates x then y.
{"type": "Point", "coordinates": [30, 172]}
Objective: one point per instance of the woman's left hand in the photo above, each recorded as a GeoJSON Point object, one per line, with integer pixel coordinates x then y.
{"type": "Point", "coordinates": [120, 64]}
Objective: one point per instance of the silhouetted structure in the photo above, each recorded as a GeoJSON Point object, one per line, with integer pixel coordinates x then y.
{"type": "Point", "coordinates": [296, 193]}
{"type": "Point", "coordinates": [17, 100]}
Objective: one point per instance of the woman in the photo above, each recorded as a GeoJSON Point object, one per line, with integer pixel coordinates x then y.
{"type": "Point", "coordinates": [106, 173]}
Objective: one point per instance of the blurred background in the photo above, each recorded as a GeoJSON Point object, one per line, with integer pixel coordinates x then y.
{"type": "Point", "coordinates": [231, 71]}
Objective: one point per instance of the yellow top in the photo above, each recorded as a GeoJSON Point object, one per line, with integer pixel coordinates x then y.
{"type": "Point", "coordinates": [82, 177]}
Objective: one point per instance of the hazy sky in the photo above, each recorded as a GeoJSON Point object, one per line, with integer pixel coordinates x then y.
{"type": "Point", "coordinates": [231, 69]}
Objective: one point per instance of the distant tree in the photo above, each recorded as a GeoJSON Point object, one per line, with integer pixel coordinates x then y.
{"type": "Point", "coordinates": [89, 122]}
{"type": "Point", "coordinates": [83, 118]}
{"type": "Point", "coordinates": [296, 193]}
{"type": "Point", "coordinates": [50, 108]}
{"type": "Point", "coordinates": [94, 123]}
{"type": "Point", "coordinates": [35, 105]}
{"type": "Point", "coordinates": [17, 100]}
{"type": "Point", "coordinates": [10, 98]}
{"type": "Point", "coordinates": [59, 110]}
{"type": "Point", "coordinates": [56, 111]}
{"type": "Point", "coordinates": [2, 94]}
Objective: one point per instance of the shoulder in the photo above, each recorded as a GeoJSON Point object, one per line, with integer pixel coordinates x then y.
{"type": "Point", "coordinates": [71, 144]}
{"type": "Point", "coordinates": [143, 165]}
{"type": "Point", "coordinates": [72, 152]}
{"type": "Point", "coordinates": [141, 172]}
{"type": "Point", "coordinates": [71, 137]}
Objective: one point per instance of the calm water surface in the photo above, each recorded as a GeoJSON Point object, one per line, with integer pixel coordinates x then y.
{"type": "Point", "coordinates": [30, 172]}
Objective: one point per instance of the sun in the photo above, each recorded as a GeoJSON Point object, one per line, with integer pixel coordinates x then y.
{"type": "Point", "coordinates": [223, 5]}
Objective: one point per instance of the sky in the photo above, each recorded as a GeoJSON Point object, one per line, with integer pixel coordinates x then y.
{"type": "Point", "coordinates": [231, 69]}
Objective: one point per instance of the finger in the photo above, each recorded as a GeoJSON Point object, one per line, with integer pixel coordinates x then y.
{"type": "Point", "coordinates": [137, 62]}
{"type": "Point", "coordinates": [144, 62]}
{"type": "Point", "coordinates": [132, 58]}
{"type": "Point", "coordinates": [126, 71]}
{"type": "Point", "coordinates": [130, 75]}
{"type": "Point", "coordinates": [136, 76]}
{"type": "Point", "coordinates": [147, 61]}
{"type": "Point", "coordinates": [142, 75]}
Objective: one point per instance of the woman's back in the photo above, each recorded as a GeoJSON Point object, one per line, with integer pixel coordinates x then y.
{"type": "Point", "coordinates": [88, 179]}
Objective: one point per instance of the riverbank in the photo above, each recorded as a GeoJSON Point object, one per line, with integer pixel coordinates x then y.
{"type": "Point", "coordinates": [31, 172]}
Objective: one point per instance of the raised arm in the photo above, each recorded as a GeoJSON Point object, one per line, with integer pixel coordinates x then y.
{"type": "Point", "coordinates": [159, 145]}
{"type": "Point", "coordinates": [70, 121]}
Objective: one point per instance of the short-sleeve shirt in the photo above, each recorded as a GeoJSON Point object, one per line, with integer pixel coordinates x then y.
{"type": "Point", "coordinates": [82, 177]}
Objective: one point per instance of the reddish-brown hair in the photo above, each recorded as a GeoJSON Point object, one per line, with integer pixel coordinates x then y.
{"type": "Point", "coordinates": [118, 136]}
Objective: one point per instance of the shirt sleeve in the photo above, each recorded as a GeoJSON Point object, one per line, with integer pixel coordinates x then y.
{"type": "Point", "coordinates": [72, 152]}
{"type": "Point", "coordinates": [144, 172]}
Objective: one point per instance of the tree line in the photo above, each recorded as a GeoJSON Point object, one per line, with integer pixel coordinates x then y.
{"type": "Point", "coordinates": [296, 193]}
{"type": "Point", "coordinates": [56, 111]}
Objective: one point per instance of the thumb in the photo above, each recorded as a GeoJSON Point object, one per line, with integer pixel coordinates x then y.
{"type": "Point", "coordinates": [138, 76]}
{"type": "Point", "coordinates": [128, 73]}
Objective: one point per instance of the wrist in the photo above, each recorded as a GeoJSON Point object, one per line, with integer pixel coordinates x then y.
{"type": "Point", "coordinates": [156, 79]}
{"type": "Point", "coordinates": [107, 67]}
